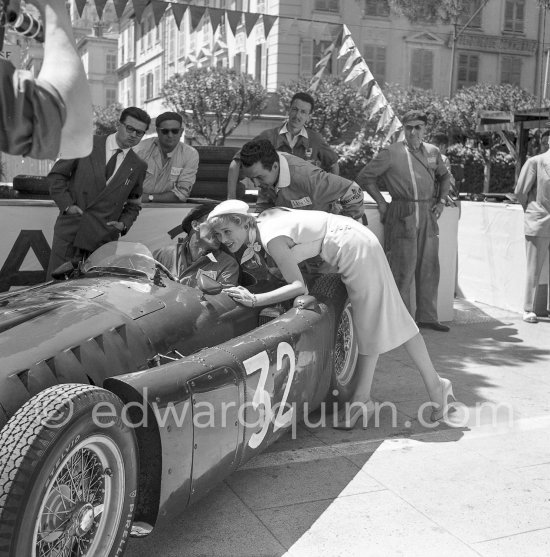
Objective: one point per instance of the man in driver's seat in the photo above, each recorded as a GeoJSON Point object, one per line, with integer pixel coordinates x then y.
{"type": "Point", "coordinates": [198, 253]}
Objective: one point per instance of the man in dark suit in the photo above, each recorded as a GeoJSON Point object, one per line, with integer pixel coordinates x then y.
{"type": "Point", "coordinates": [99, 195]}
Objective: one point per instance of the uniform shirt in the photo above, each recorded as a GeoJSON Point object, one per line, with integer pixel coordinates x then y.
{"type": "Point", "coordinates": [302, 185]}
{"type": "Point", "coordinates": [176, 172]}
{"type": "Point", "coordinates": [32, 114]}
{"type": "Point", "coordinates": [392, 164]}
{"type": "Point", "coordinates": [308, 145]}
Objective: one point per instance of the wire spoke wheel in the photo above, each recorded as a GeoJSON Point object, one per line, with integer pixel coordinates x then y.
{"type": "Point", "coordinates": [68, 481]}
{"type": "Point", "coordinates": [82, 501]}
{"type": "Point", "coordinates": [345, 348]}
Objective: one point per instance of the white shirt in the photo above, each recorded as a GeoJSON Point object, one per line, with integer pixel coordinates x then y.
{"type": "Point", "coordinates": [110, 147]}
{"type": "Point", "coordinates": [292, 139]}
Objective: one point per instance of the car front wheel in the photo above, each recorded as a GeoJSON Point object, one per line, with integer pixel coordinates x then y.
{"type": "Point", "coordinates": [68, 475]}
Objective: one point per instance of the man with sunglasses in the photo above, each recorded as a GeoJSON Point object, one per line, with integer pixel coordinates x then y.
{"type": "Point", "coordinates": [418, 181]}
{"type": "Point", "coordinates": [171, 164]}
{"type": "Point", "coordinates": [99, 196]}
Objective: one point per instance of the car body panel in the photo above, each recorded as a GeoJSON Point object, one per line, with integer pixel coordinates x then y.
{"type": "Point", "coordinates": [296, 350]}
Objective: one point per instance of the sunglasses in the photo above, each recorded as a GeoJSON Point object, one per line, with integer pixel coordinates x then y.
{"type": "Point", "coordinates": [131, 129]}
{"type": "Point", "coordinates": [166, 131]}
{"type": "Point", "coordinates": [418, 127]}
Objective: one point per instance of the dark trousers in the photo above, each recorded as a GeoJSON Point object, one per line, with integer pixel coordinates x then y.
{"type": "Point", "coordinates": [413, 253]}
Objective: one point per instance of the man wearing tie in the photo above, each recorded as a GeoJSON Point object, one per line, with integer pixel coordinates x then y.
{"type": "Point", "coordinates": [99, 195]}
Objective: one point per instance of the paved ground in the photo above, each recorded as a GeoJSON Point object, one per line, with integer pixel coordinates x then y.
{"type": "Point", "coordinates": [479, 485]}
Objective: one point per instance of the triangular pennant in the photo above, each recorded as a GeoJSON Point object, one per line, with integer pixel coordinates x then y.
{"type": "Point", "coordinates": [336, 32]}
{"type": "Point", "coordinates": [386, 118]}
{"type": "Point", "coordinates": [119, 7]}
{"type": "Point", "coordinates": [367, 79]}
{"type": "Point", "coordinates": [249, 21]}
{"type": "Point", "coordinates": [234, 18]}
{"type": "Point", "coordinates": [395, 126]}
{"type": "Point", "coordinates": [100, 6]}
{"type": "Point", "coordinates": [139, 6]}
{"type": "Point", "coordinates": [178, 10]}
{"type": "Point", "coordinates": [352, 59]}
{"type": "Point", "coordinates": [347, 46]}
{"type": "Point", "coordinates": [269, 21]}
{"type": "Point", "coordinates": [197, 13]}
{"type": "Point", "coordinates": [380, 101]}
{"type": "Point", "coordinates": [158, 10]}
{"type": "Point", "coordinates": [80, 5]}
{"type": "Point", "coordinates": [359, 69]}
{"type": "Point", "coordinates": [324, 60]}
{"type": "Point", "coordinates": [216, 15]}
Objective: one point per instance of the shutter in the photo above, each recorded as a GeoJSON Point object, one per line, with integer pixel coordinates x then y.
{"type": "Point", "coordinates": [427, 76]}
{"type": "Point", "coordinates": [416, 68]}
{"type": "Point", "coordinates": [306, 57]}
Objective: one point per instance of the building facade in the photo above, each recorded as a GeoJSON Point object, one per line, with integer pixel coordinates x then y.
{"type": "Point", "coordinates": [502, 43]}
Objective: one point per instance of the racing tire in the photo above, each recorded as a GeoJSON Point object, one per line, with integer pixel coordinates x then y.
{"type": "Point", "coordinates": [68, 476]}
{"type": "Point", "coordinates": [343, 380]}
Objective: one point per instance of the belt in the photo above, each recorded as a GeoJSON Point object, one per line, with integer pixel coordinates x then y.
{"type": "Point", "coordinates": [413, 200]}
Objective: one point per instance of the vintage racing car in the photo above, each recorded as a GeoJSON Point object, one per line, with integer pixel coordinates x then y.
{"type": "Point", "coordinates": [125, 395]}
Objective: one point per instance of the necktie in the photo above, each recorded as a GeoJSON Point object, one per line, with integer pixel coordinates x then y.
{"type": "Point", "coordinates": [111, 164]}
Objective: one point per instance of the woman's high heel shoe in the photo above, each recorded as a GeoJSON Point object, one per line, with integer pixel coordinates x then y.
{"type": "Point", "coordinates": [348, 416]}
{"type": "Point", "coordinates": [443, 405]}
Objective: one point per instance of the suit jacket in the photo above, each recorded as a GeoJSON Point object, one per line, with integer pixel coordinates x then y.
{"type": "Point", "coordinates": [533, 192]}
{"type": "Point", "coordinates": [82, 182]}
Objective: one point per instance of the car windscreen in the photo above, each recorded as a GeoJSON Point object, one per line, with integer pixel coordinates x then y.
{"type": "Point", "coordinates": [129, 257]}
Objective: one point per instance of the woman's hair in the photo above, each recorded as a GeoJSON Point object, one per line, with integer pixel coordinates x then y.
{"type": "Point", "coordinates": [233, 218]}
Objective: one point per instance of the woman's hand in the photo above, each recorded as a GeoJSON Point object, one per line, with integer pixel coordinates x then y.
{"type": "Point", "coordinates": [241, 295]}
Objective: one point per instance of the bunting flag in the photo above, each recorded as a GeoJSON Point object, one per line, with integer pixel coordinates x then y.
{"type": "Point", "coordinates": [100, 6]}
{"type": "Point", "coordinates": [216, 15]}
{"type": "Point", "coordinates": [139, 6]}
{"type": "Point", "coordinates": [158, 10]}
{"type": "Point", "coordinates": [395, 126]}
{"type": "Point", "coordinates": [80, 5]}
{"type": "Point", "coordinates": [178, 10]}
{"type": "Point", "coordinates": [347, 46]}
{"type": "Point", "coordinates": [354, 57]}
{"type": "Point", "coordinates": [119, 7]}
{"type": "Point", "coordinates": [269, 21]}
{"type": "Point", "coordinates": [234, 19]}
{"type": "Point", "coordinates": [250, 21]}
{"type": "Point", "coordinates": [197, 13]}
{"type": "Point", "coordinates": [358, 70]}
{"type": "Point", "coordinates": [385, 119]}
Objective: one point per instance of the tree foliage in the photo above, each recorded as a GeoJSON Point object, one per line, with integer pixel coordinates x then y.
{"type": "Point", "coordinates": [214, 101]}
{"type": "Point", "coordinates": [462, 111]}
{"type": "Point", "coordinates": [445, 11]}
{"type": "Point", "coordinates": [338, 109]}
{"type": "Point", "coordinates": [105, 118]}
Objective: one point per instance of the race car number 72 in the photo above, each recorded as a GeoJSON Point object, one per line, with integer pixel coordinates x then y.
{"type": "Point", "coordinates": [260, 362]}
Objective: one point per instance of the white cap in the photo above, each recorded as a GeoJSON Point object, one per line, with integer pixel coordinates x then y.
{"type": "Point", "coordinates": [229, 207]}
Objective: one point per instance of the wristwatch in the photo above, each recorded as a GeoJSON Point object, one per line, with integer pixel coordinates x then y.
{"type": "Point", "coordinates": [151, 198]}
{"type": "Point", "coordinates": [443, 201]}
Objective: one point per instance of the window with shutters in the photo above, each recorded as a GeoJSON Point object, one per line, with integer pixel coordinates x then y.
{"type": "Point", "coordinates": [510, 70]}
{"type": "Point", "coordinates": [156, 82]}
{"type": "Point", "coordinates": [377, 8]}
{"type": "Point", "coordinates": [467, 70]}
{"type": "Point", "coordinates": [375, 58]}
{"type": "Point", "coordinates": [422, 65]}
{"type": "Point", "coordinates": [470, 8]}
{"type": "Point", "coordinates": [306, 57]}
{"type": "Point", "coordinates": [110, 63]}
{"type": "Point", "coordinates": [110, 96]}
{"type": "Point", "coordinates": [149, 86]}
{"type": "Point", "coordinates": [332, 6]}
{"type": "Point", "coordinates": [142, 88]}
{"type": "Point", "coordinates": [514, 16]}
